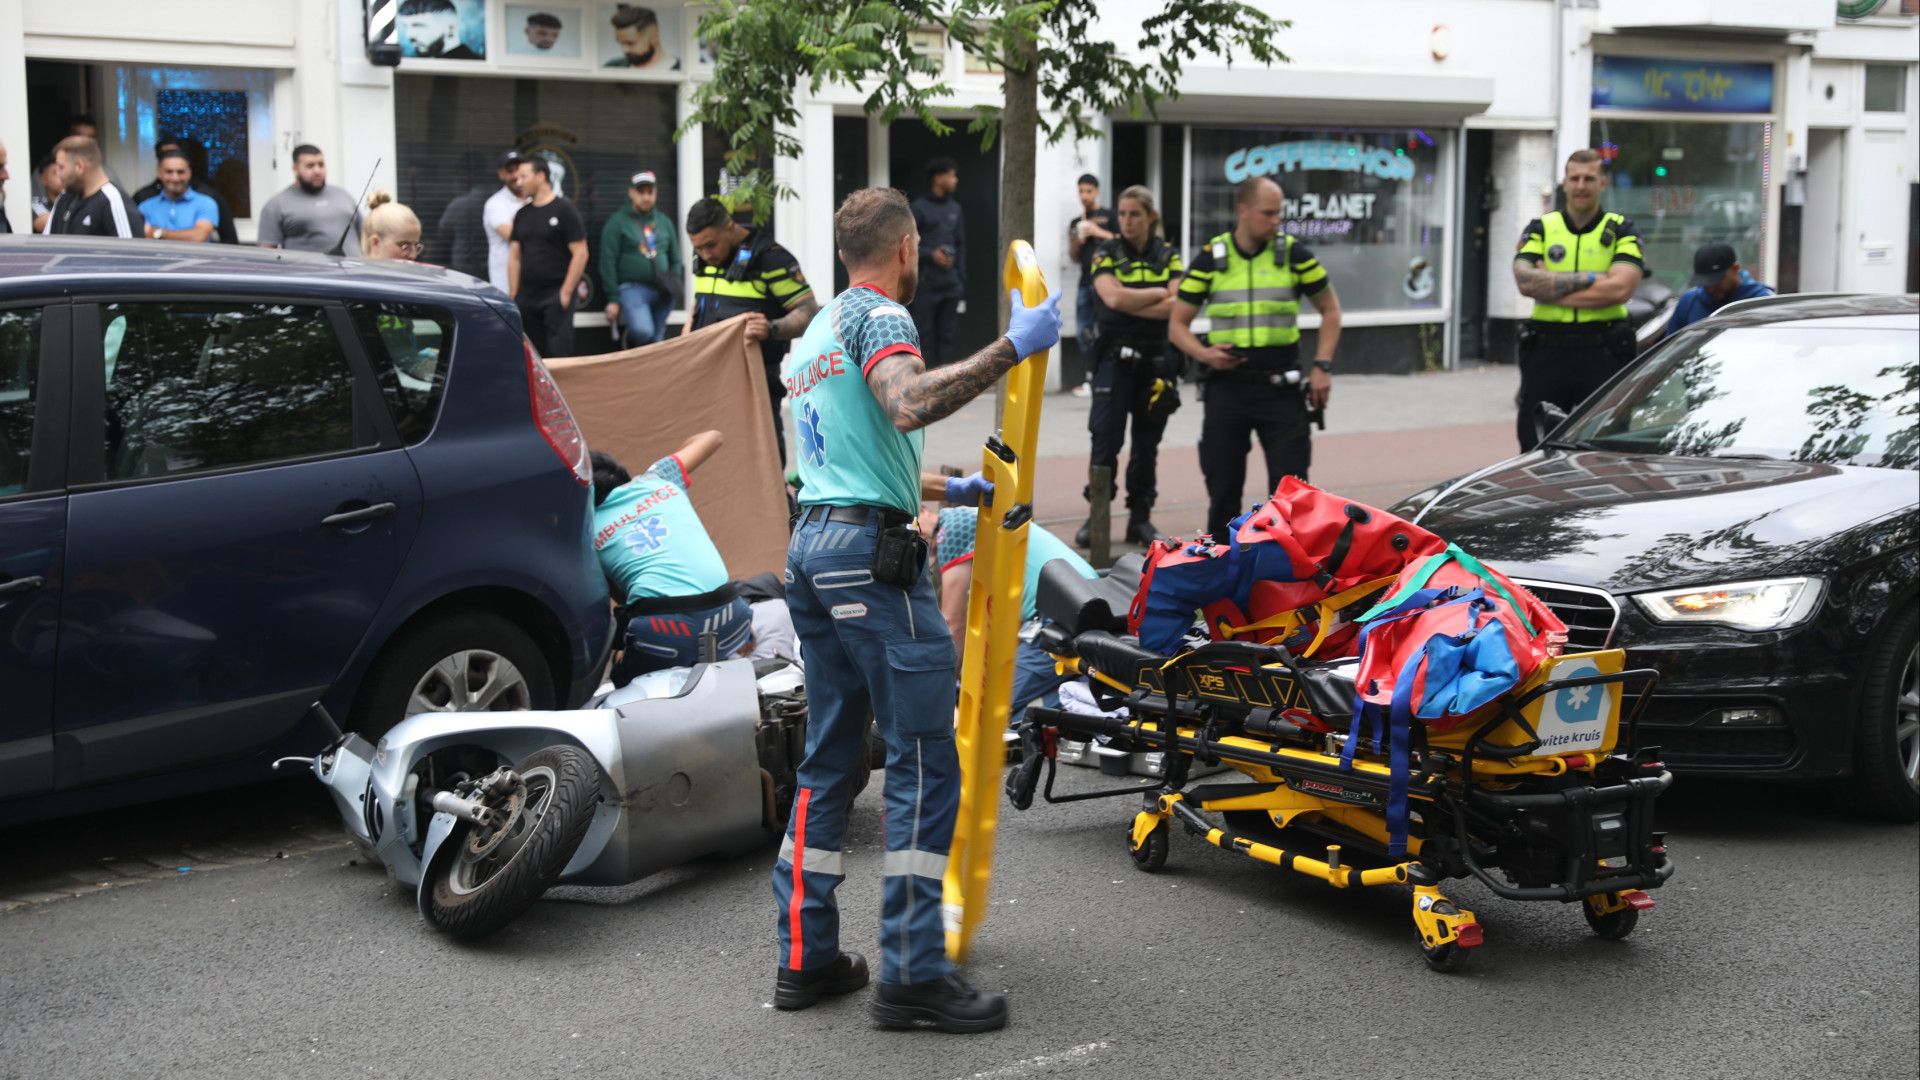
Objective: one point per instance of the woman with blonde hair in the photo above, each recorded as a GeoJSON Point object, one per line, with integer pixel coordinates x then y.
{"type": "Point", "coordinates": [390, 230]}
{"type": "Point", "coordinates": [1136, 377]}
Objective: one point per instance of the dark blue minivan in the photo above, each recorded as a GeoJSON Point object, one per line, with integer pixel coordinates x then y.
{"type": "Point", "coordinates": [234, 482]}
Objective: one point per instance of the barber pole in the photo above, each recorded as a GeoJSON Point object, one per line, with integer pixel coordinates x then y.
{"type": "Point", "coordinates": [383, 33]}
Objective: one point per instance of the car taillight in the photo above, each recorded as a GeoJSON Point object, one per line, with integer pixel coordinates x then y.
{"type": "Point", "coordinates": [555, 420]}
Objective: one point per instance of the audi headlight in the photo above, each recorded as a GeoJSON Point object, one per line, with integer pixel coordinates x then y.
{"type": "Point", "coordinates": [1773, 604]}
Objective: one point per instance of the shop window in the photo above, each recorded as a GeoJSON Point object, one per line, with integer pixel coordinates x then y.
{"type": "Point", "coordinates": [212, 125]}
{"type": "Point", "coordinates": [1371, 203]}
{"type": "Point", "coordinates": [594, 135]}
{"type": "Point", "coordinates": [1685, 182]}
{"type": "Point", "coordinates": [1886, 88]}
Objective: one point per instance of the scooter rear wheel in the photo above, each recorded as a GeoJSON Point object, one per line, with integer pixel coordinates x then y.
{"type": "Point", "coordinates": [483, 886]}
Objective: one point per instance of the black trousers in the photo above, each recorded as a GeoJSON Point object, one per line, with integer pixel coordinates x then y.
{"type": "Point", "coordinates": [1234, 413]}
{"type": "Point", "coordinates": [777, 390]}
{"type": "Point", "coordinates": [1122, 390]}
{"type": "Point", "coordinates": [548, 323]}
{"type": "Point", "coordinates": [935, 318]}
{"type": "Point", "coordinates": [1565, 370]}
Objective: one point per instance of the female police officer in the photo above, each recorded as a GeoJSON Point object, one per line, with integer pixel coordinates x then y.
{"type": "Point", "coordinates": [1135, 275]}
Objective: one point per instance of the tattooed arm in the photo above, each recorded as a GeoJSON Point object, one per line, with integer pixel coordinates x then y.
{"type": "Point", "coordinates": [913, 397]}
{"type": "Point", "coordinates": [1546, 285]}
{"type": "Point", "coordinates": [794, 323]}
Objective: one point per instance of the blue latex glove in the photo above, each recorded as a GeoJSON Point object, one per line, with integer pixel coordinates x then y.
{"type": "Point", "coordinates": [1033, 329]}
{"type": "Point", "coordinates": [973, 490]}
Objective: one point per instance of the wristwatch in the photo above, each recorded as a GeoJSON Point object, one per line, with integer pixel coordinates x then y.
{"type": "Point", "coordinates": [1324, 365]}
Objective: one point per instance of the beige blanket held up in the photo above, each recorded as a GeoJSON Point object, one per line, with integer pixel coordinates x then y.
{"type": "Point", "coordinates": [642, 404]}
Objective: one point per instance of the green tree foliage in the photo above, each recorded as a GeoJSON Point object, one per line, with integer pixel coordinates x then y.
{"type": "Point", "coordinates": [768, 49]}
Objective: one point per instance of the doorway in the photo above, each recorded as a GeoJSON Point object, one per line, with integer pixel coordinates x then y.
{"type": "Point", "coordinates": [1821, 218]}
{"type": "Point", "coordinates": [910, 147]}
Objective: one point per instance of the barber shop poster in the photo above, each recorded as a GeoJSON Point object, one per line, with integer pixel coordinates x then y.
{"type": "Point", "coordinates": [640, 36]}
{"type": "Point", "coordinates": [544, 31]}
{"type": "Point", "coordinates": [443, 29]}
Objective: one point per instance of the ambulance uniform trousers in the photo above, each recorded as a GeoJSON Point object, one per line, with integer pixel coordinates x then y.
{"type": "Point", "coordinates": [1235, 411]}
{"type": "Point", "coordinates": [1121, 391]}
{"type": "Point", "coordinates": [886, 649]}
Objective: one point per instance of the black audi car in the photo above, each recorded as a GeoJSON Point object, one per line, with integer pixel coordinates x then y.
{"type": "Point", "coordinates": [1739, 509]}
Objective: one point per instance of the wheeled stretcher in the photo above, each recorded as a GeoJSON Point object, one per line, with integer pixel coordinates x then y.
{"type": "Point", "coordinates": [1531, 795]}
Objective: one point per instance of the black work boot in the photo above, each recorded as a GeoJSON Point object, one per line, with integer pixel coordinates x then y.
{"type": "Point", "coordinates": [799, 989]}
{"type": "Point", "coordinates": [1140, 530]}
{"type": "Point", "coordinates": [947, 1004]}
{"type": "Point", "coordinates": [1083, 537]}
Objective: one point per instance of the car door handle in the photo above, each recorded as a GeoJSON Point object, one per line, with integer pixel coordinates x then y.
{"type": "Point", "coordinates": [355, 517]}
{"type": "Point", "coordinates": [21, 584]}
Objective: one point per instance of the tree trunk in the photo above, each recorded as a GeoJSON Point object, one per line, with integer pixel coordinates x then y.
{"type": "Point", "coordinates": [1019, 134]}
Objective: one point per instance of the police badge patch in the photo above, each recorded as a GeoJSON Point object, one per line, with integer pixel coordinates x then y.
{"type": "Point", "coordinates": [1556, 252]}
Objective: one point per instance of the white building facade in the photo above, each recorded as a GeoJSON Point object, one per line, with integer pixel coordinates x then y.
{"type": "Point", "coordinates": [1413, 139]}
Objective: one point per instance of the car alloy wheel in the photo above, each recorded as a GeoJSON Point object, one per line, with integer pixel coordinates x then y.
{"type": "Point", "coordinates": [1906, 718]}
{"type": "Point", "coordinates": [471, 680]}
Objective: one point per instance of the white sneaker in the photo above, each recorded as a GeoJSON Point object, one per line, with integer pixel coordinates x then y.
{"type": "Point", "coordinates": [1085, 389]}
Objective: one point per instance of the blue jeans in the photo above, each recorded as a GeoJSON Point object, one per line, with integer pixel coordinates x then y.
{"type": "Point", "coordinates": [1034, 680]}
{"type": "Point", "coordinates": [884, 649]}
{"type": "Point", "coordinates": [658, 642]}
{"type": "Point", "coordinates": [643, 309]}
{"type": "Point", "coordinates": [1086, 314]}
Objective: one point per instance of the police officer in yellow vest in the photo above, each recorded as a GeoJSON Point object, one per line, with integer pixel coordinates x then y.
{"type": "Point", "coordinates": [740, 271]}
{"type": "Point", "coordinates": [1135, 375]}
{"type": "Point", "coordinates": [1250, 282]}
{"type": "Point", "coordinates": [1579, 266]}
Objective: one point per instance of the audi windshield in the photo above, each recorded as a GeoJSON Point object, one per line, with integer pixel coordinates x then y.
{"type": "Point", "coordinates": [1840, 395]}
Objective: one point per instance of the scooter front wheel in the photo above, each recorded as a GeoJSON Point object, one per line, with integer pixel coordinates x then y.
{"type": "Point", "coordinates": [497, 873]}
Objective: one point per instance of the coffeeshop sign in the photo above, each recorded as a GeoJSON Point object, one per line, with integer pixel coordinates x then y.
{"type": "Point", "coordinates": [1317, 155]}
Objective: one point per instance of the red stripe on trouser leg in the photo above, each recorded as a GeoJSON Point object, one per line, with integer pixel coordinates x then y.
{"type": "Point", "coordinates": [799, 887]}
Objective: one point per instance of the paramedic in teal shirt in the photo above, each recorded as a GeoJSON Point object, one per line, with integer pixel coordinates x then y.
{"type": "Point", "coordinates": [662, 565]}
{"type": "Point", "coordinates": [1034, 676]}
{"type": "Point", "coordinates": [870, 628]}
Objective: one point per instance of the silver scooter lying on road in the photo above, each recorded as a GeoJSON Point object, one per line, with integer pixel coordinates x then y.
{"type": "Point", "coordinates": [483, 812]}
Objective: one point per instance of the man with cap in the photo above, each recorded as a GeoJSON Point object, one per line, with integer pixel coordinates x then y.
{"type": "Point", "coordinates": [1718, 280]}
{"type": "Point", "coordinates": [640, 264]}
{"type": "Point", "coordinates": [498, 214]}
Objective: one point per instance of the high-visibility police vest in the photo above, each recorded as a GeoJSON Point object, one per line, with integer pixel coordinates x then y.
{"type": "Point", "coordinates": [760, 276]}
{"type": "Point", "coordinates": [1152, 268]}
{"type": "Point", "coordinates": [1253, 302]}
{"type": "Point", "coordinates": [1609, 239]}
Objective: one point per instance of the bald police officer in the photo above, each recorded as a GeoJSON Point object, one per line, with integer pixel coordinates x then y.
{"type": "Point", "coordinates": [1579, 266]}
{"type": "Point", "coordinates": [1250, 282]}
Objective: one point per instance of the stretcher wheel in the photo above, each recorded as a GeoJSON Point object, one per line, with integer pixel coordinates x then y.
{"type": "Point", "coordinates": [1448, 957]}
{"type": "Point", "coordinates": [1151, 855]}
{"type": "Point", "coordinates": [1613, 925]}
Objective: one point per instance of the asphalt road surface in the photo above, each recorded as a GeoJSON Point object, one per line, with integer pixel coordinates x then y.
{"type": "Point", "coordinates": [1786, 946]}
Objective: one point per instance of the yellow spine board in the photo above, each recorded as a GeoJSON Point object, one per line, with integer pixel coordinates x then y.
{"type": "Point", "coordinates": [993, 629]}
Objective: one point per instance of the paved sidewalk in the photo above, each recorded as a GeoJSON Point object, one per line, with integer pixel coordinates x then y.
{"type": "Point", "coordinates": [1387, 436]}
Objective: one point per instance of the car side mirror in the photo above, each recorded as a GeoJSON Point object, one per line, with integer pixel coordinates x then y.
{"type": "Point", "coordinates": [1547, 417]}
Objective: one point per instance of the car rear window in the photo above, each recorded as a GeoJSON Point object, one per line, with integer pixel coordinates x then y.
{"type": "Point", "coordinates": [408, 346]}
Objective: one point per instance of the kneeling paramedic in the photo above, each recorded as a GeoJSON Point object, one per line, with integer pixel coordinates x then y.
{"type": "Point", "coordinates": [864, 608]}
{"type": "Point", "coordinates": [662, 565]}
{"type": "Point", "coordinates": [1135, 376]}
{"type": "Point", "coordinates": [1035, 677]}
{"type": "Point", "coordinates": [1250, 281]}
